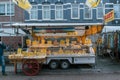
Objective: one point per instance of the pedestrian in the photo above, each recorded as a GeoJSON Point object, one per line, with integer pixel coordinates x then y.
{"type": "Point", "coordinates": [2, 59]}
{"type": "Point", "coordinates": [19, 45]}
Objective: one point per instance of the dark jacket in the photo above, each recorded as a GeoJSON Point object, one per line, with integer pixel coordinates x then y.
{"type": "Point", "coordinates": [2, 47]}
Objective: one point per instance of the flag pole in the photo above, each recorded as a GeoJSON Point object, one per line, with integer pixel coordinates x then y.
{"type": "Point", "coordinates": [10, 14]}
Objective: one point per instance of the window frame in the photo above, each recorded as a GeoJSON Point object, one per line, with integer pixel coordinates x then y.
{"type": "Point", "coordinates": [97, 9]}
{"type": "Point", "coordinates": [43, 12]}
{"type": "Point", "coordinates": [73, 10]}
{"type": "Point", "coordinates": [107, 7]}
{"type": "Point", "coordinates": [34, 11]}
{"type": "Point", "coordinates": [91, 12]}
{"type": "Point", "coordinates": [56, 13]}
{"type": "Point", "coordinates": [119, 10]}
{"type": "Point", "coordinates": [6, 9]}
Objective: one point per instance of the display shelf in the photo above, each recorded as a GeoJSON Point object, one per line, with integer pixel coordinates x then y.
{"type": "Point", "coordinates": [69, 34]}
{"type": "Point", "coordinates": [70, 55]}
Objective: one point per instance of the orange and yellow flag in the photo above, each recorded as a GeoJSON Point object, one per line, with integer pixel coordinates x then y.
{"type": "Point", "coordinates": [24, 4]}
{"type": "Point", "coordinates": [92, 3]}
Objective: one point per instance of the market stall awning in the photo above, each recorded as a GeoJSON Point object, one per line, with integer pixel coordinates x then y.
{"type": "Point", "coordinates": [51, 24]}
{"type": "Point", "coordinates": [11, 32]}
{"type": "Point", "coordinates": [110, 29]}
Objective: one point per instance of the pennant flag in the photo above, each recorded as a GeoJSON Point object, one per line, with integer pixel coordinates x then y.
{"type": "Point", "coordinates": [109, 16]}
{"type": "Point", "coordinates": [92, 3]}
{"type": "Point", "coordinates": [24, 4]}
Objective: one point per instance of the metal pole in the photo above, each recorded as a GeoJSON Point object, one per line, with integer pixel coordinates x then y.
{"type": "Point", "coordinates": [10, 22]}
{"type": "Point", "coordinates": [10, 13]}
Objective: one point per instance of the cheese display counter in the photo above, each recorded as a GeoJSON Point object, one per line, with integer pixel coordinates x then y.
{"type": "Point", "coordinates": [56, 47]}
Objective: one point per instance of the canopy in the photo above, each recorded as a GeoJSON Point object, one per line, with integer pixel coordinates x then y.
{"type": "Point", "coordinates": [51, 24]}
{"type": "Point", "coordinates": [110, 28]}
{"type": "Point", "coordinates": [11, 32]}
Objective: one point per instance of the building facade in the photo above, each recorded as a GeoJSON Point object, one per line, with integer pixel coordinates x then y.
{"type": "Point", "coordinates": [10, 13]}
{"type": "Point", "coordinates": [71, 11]}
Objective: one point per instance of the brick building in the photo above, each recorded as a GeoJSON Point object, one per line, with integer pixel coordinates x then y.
{"type": "Point", "coordinates": [7, 16]}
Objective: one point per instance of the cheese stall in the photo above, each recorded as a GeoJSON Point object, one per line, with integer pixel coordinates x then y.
{"type": "Point", "coordinates": [56, 46]}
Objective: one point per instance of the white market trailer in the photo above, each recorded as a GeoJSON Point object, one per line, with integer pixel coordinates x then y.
{"type": "Point", "coordinates": [63, 44]}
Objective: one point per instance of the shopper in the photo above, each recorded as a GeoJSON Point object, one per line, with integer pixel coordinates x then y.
{"type": "Point", "coordinates": [2, 59]}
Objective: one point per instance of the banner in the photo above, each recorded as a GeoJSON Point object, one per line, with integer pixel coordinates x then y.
{"type": "Point", "coordinates": [92, 3]}
{"type": "Point", "coordinates": [24, 4]}
{"type": "Point", "coordinates": [109, 16]}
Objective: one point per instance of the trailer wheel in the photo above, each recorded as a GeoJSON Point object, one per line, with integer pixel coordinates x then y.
{"type": "Point", "coordinates": [53, 64]}
{"type": "Point", "coordinates": [30, 67]}
{"type": "Point", "coordinates": [65, 64]}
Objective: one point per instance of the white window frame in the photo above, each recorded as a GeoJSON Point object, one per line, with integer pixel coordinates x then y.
{"type": "Point", "coordinates": [48, 14]}
{"type": "Point", "coordinates": [91, 12]}
{"type": "Point", "coordinates": [5, 3]}
{"type": "Point", "coordinates": [119, 10]}
{"type": "Point", "coordinates": [34, 11]}
{"type": "Point", "coordinates": [56, 13]}
{"type": "Point", "coordinates": [98, 9]}
{"type": "Point", "coordinates": [107, 7]}
{"type": "Point", "coordinates": [72, 12]}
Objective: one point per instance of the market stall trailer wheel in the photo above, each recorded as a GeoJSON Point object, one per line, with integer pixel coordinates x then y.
{"type": "Point", "coordinates": [31, 67]}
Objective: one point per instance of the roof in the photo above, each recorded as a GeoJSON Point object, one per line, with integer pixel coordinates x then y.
{"type": "Point", "coordinates": [11, 32]}
{"type": "Point", "coordinates": [110, 28]}
{"type": "Point", "coordinates": [53, 24]}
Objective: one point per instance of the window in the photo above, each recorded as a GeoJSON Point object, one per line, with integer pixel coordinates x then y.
{"type": "Point", "coordinates": [46, 12]}
{"type": "Point", "coordinates": [34, 13]}
{"type": "Point", "coordinates": [108, 7]}
{"type": "Point", "coordinates": [5, 9]}
{"type": "Point", "coordinates": [59, 12]}
{"type": "Point", "coordinates": [2, 9]}
{"type": "Point", "coordinates": [87, 12]}
{"type": "Point", "coordinates": [75, 11]}
{"type": "Point", "coordinates": [117, 11]}
{"type": "Point", "coordinates": [100, 11]}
